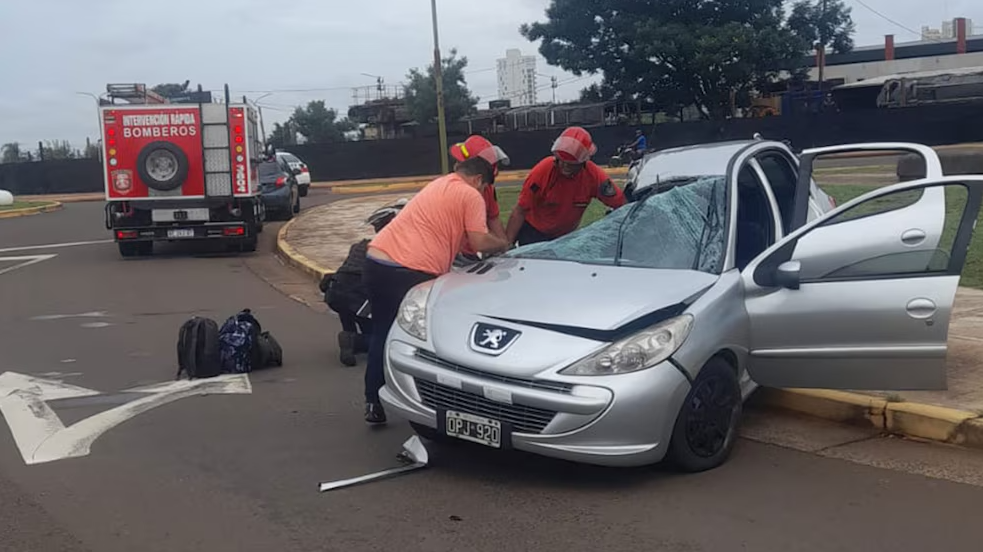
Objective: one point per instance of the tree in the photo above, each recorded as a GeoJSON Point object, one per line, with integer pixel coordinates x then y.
{"type": "Point", "coordinates": [59, 149]}
{"type": "Point", "coordinates": [282, 135]}
{"type": "Point", "coordinates": [421, 92]}
{"type": "Point", "coordinates": [318, 124]}
{"type": "Point", "coordinates": [10, 153]}
{"type": "Point", "coordinates": [826, 22]}
{"type": "Point", "coordinates": [672, 53]}
{"type": "Point", "coordinates": [172, 90]}
{"type": "Point", "coordinates": [91, 150]}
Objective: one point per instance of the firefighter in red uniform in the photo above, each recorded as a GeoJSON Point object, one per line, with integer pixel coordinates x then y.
{"type": "Point", "coordinates": [559, 189]}
{"type": "Point", "coordinates": [471, 147]}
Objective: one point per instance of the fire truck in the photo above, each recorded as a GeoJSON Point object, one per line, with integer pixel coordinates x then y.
{"type": "Point", "coordinates": [178, 170]}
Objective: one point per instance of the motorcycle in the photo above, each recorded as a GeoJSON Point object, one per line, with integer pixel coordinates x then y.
{"type": "Point", "coordinates": [622, 156]}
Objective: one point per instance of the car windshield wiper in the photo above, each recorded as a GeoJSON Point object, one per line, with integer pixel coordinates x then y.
{"type": "Point", "coordinates": [711, 224]}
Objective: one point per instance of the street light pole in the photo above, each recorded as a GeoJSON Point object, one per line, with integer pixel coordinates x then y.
{"type": "Point", "coordinates": [439, 78]}
{"type": "Point", "coordinates": [262, 128]}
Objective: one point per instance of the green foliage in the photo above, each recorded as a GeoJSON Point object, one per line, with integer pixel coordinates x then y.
{"type": "Point", "coordinates": [11, 153]}
{"type": "Point", "coordinates": [318, 124]}
{"type": "Point", "coordinates": [829, 24]}
{"type": "Point", "coordinates": [676, 53]}
{"type": "Point", "coordinates": [421, 92]}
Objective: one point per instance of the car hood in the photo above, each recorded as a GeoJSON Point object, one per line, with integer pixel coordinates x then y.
{"type": "Point", "coordinates": [562, 311]}
{"type": "Point", "coordinates": [562, 293]}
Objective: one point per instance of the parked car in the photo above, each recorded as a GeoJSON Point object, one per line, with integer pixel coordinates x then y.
{"type": "Point", "coordinates": [637, 338]}
{"type": "Point", "coordinates": [278, 184]}
{"type": "Point", "coordinates": [303, 177]}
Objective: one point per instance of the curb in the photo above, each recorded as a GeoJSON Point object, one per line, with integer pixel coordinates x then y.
{"type": "Point", "coordinates": [907, 419]}
{"type": "Point", "coordinates": [290, 255]}
{"type": "Point", "coordinates": [28, 211]}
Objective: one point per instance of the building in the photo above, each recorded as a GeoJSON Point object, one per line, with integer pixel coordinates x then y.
{"type": "Point", "coordinates": [947, 32]}
{"type": "Point", "coordinates": [517, 78]}
{"type": "Point", "coordinates": [871, 62]}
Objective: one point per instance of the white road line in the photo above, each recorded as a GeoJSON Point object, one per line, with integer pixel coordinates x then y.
{"type": "Point", "coordinates": [24, 261]}
{"type": "Point", "coordinates": [53, 246]}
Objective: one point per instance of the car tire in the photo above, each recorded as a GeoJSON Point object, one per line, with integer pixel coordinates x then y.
{"type": "Point", "coordinates": [699, 442]}
{"type": "Point", "coordinates": [181, 170]}
{"type": "Point", "coordinates": [136, 249]}
{"type": "Point", "coordinates": [304, 190]}
{"type": "Point", "coordinates": [296, 207]}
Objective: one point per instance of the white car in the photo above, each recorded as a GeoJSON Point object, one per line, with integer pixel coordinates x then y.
{"type": "Point", "coordinates": [304, 178]}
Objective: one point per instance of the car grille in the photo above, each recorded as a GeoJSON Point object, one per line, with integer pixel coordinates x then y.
{"type": "Point", "coordinates": [542, 385]}
{"type": "Point", "coordinates": [523, 419]}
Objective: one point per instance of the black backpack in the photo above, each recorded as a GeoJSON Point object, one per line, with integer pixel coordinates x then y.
{"type": "Point", "coordinates": [198, 349]}
{"type": "Point", "coordinates": [267, 352]}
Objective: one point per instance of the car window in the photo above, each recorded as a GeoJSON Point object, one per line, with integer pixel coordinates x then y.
{"type": "Point", "coordinates": [901, 235]}
{"type": "Point", "coordinates": [782, 178]}
{"type": "Point", "coordinates": [267, 170]}
{"type": "Point", "coordinates": [683, 228]}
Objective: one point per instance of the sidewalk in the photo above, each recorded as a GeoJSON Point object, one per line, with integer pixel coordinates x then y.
{"type": "Point", "coordinates": [318, 241]}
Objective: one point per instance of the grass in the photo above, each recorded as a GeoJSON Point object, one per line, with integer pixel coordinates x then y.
{"type": "Point", "coordinates": [972, 275]}
{"type": "Point", "coordinates": [22, 205]}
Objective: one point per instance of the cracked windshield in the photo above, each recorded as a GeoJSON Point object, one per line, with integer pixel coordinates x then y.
{"type": "Point", "coordinates": [435, 276]}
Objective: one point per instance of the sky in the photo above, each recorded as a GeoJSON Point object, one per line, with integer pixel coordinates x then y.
{"type": "Point", "coordinates": [56, 54]}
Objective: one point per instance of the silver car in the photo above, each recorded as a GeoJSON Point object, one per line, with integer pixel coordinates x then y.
{"type": "Point", "coordinates": [637, 338]}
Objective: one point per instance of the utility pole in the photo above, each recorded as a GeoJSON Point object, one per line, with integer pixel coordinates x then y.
{"type": "Point", "coordinates": [822, 46]}
{"type": "Point", "coordinates": [554, 85]}
{"type": "Point", "coordinates": [439, 78]}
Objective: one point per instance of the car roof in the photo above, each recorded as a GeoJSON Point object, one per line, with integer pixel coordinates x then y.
{"type": "Point", "coordinates": [697, 160]}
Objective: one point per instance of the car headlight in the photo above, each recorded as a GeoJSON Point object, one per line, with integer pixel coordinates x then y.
{"type": "Point", "coordinates": [412, 315]}
{"type": "Point", "coordinates": [638, 352]}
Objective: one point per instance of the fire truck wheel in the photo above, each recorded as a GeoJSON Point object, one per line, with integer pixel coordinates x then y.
{"type": "Point", "coordinates": [249, 244]}
{"type": "Point", "coordinates": [162, 166]}
{"type": "Point", "coordinates": [136, 249]}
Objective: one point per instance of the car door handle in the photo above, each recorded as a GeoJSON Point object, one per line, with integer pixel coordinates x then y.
{"type": "Point", "coordinates": [913, 237]}
{"type": "Point", "coordinates": [921, 308]}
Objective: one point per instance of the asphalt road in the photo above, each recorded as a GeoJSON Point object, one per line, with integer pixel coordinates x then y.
{"type": "Point", "coordinates": [240, 472]}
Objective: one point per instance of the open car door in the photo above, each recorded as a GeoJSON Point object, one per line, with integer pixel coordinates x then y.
{"type": "Point", "coordinates": [835, 305]}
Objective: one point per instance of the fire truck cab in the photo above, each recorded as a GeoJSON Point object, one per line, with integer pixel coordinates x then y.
{"type": "Point", "coordinates": [180, 171]}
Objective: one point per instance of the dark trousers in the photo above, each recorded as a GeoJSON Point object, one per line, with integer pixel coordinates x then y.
{"type": "Point", "coordinates": [387, 285]}
{"type": "Point", "coordinates": [528, 234]}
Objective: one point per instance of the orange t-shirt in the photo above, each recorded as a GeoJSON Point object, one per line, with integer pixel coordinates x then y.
{"type": "Point", "coordinates": [431, 229]}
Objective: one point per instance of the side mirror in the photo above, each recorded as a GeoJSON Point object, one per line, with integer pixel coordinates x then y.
{"type": "Point", "coordinates": [789, 274]}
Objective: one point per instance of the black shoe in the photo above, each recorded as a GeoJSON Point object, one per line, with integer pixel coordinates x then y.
{"type": "Point", "coordinates": [346, 346]}
{"type": "Point", "coordinates": [374, 413]}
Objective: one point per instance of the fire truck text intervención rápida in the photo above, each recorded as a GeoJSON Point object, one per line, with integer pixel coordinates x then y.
{"type": "Point", "coordinates": [180, 170]}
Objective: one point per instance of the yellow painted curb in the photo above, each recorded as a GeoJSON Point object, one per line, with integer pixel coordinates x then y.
{"type": "Point", "coordinates": [838, 406]}
{"type": "Point", "coordinates": [926, 421]}
{"type": "Point", "coordinates": [28, 211]}
{"type": "Point", "coordinates": [290, 255]}
{"type": "Point", "coordinates": [908, 419]}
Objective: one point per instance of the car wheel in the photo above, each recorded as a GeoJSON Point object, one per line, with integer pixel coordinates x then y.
{"type": "Point", "coordinates": [304, 190]}
{"type": "Point", "coordinates": [706, 426]}
{"type": "Point", "coordinates": [296, 207]}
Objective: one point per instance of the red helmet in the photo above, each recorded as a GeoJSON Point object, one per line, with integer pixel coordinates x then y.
{"type": "Point", "coordinates": [575, 145]}
{"type": "Point", "coordinates": [478, 146]}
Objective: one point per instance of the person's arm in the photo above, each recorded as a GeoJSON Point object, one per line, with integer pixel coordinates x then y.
{"type": "Point", "coordinates": [516, 220]}
{"type": "Point", "coordinates": [608, 192]}
{"type": "Point", "coordinates": [496, 227]}
{"type": "Point", "coordinates": [476, 227]}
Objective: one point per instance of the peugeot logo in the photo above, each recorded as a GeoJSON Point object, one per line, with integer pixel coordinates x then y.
{"type": "Point", "coordinates": [492, 340]}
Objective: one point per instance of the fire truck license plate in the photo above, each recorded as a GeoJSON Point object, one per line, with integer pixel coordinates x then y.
{"type": "Point", "coordinates": [181, 233]}
{"type": "Point", "coordinates": [180, 215]}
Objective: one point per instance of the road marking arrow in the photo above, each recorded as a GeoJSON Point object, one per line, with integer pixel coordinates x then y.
{"type": "Point", "coordinates": [42, 437]}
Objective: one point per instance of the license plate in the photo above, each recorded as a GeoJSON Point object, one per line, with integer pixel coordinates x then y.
{"type": "Point", "coordinates": [181, 233]}
{"type": "Point", "coordinates": [180, 215]}
{"type": "Point", "coordinates": [474, 428]}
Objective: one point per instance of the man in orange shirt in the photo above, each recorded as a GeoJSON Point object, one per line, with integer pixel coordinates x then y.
{"type": "Point", "coordinates": [559, 189]}
{"type": "Point", "coordinates": [420, 244]}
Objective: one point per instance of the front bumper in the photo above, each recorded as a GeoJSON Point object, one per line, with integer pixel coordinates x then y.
{"type": "Point", "coordinates": [621, 421]}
